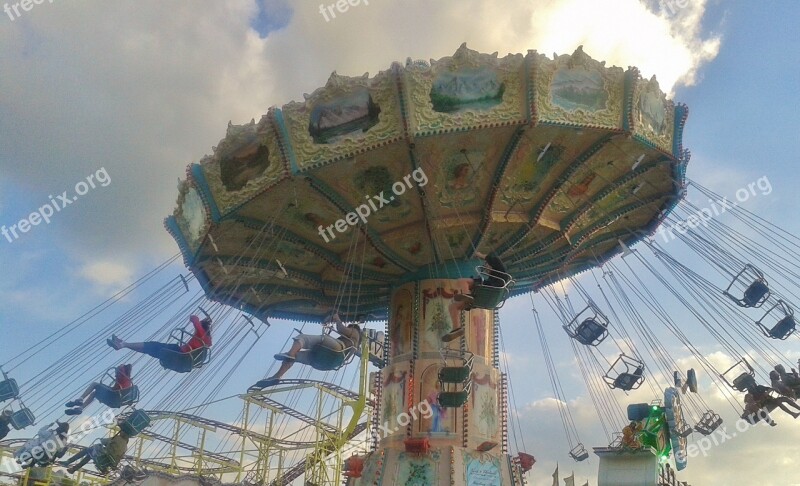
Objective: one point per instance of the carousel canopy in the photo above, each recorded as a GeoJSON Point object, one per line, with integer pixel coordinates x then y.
{"type": "Point", "coordinates": [554, 164]}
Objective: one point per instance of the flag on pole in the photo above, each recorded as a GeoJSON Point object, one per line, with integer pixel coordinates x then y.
{"type": "Point", "coordinates": [570, 481]}
{"type": "Point", "coordinates": [555, 476]}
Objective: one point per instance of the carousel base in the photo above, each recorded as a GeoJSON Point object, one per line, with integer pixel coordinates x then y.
{"type": "Point", "coordinates": [627, 467]}
{"type": "Point", "coordinates": [439, 466]}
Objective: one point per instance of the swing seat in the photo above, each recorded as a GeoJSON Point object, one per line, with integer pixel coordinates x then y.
{"type": "Point", "coordinates": [417, 446]}
{"type": "Point", "coordinates": [744, 382]}
{"type": "Point", "coordinates": [135, 423]}
{"type": "Point", "coordinates": [638, 411]}
{"type": "Point", "coordinates": [118, 398]}
{"type": "Point", "coordinates": [327, 359]}
{"type": "Point", "coordinates": [685, 432]}
{"type": "Point", "coordinates": [691, 380]}
{"type": "Point", "coordinates": [354, 467]}
{"type": "Point", "coordinates": [783, 329]}
{"type": "Point", "coordinates": [590, 332]}
{"type": "Point", "coordinates": [708, 423]}
{"type": "Point", "coordinates": [756, 294]}
{"type": "Point", "coordinates": [627, 381]}
{"type": "Point", "coordinates": [526, 461]}
{"type": "Point", "coordinates": [22, 418]}
{"type": "Point", "coordinates": [8, 389]}
{"type": "Point", "coordinates": [579, 453]}
{"type": "Point", "coordinates": [453, 399]}
{"type": "Point", "coordinates": [454, 374]}
{"type": "Point", "coordinates": [184, 362]}
{"type": "Point", "coordinates": [104, 463]}
{"type": "Point", "coordinates": [488, 298]}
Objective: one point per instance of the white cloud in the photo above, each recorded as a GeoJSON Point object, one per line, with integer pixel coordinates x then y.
{"type": "Point", "coordinates": [106, 275]}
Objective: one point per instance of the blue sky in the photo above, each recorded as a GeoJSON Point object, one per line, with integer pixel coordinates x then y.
{"type": "Point", "coordinates": [148, 88]}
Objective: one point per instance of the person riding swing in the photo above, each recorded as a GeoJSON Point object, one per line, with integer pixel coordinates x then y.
{"type": "Point", "coordinates": [322, 352]}
{"type": "Point", "coordinates": [104, 394]}
{"type": "Point", "coordinates": [200, 339]}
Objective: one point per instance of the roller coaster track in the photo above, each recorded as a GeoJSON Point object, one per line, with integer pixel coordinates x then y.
{"type": "Point", "coordinates": [298, 469]}
{"type": "Point", "coordinates": [287, 444]}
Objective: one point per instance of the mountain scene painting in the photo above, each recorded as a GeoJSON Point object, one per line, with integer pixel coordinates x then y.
{"type": "Point", "coordinates": [476, 89]}
{"type": "Point", "coordinates": [330, 122]}
{"type": "Point", "coordinates": [578, 89]}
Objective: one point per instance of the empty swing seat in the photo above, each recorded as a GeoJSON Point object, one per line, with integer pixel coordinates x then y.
{"type": "Point", "coordinates": [354, 467]}
{"type": "Point", "coordinates": [8, 389]}
{"type": "Point", "coordinates": [756, 294]}
{"type": "Point", "coordinates": [22, 418]}
{"type": "Point", "coordinates": [783, 329]}
{"type": "Point", "coordinates": [708, 423]}
{"type": "Point", "coordinates": [135, 423]}
{"type": "Point", "coordinates": [454, 374]}
{"type": "Point", "coordinates": [627, 381]}
{"type": "Point", "coordinates": [526, 461]}
{"type": "Point", "coordinates": [579, 453]}
{"type": "Point", "coordinates": [691, 380]}
{"type": "Point", "coordinates": [453, 399]}
{"type": "Point", "coordinates": [184, 362]}
{"type": "Point", "coordinates": [638, 411]}
{"type": "Point", "coordinates": [118, 398]}
{"type": "Point", "coordinates": [590, 332]}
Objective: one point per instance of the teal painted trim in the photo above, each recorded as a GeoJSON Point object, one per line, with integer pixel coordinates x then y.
{"type": "Point", "coordinates": [171, 225]}
{"type": "Point", "coordinates": [205, 192]}
{"type": "Point", "coordinates": [570, 220]}
{"type": "Point", "coordinates": [338, 201]}
{"type": "Point", "coordinates": [283, 131]}
{"type": "Point", "coordinates": [681, 114]}
{"type": "Point", "coordinates": [630, 79]}
{"type": "Point", "coordinates": [447, 270]}
{"type": "Point", "coordinates": [530, 95]}
{"type": "Point", "coordinates": [329, 256]}
{"type": "Point", "coordinates": [508, 153]}
{"type": "Point", "coordinates": [537, 210]}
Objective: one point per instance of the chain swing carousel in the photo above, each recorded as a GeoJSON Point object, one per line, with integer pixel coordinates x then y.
{"type": "Point", "coordinates": [422, 198]}
{"type": "Point", "coordinates": [550, 164]}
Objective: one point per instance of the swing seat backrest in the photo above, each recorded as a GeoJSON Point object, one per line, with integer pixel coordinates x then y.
{"type": "Point", "coordinates": [590, 332]}
{"type": "Point", "coordinates": [135, 423]}
{"type": "Point", "coordinates": [756, 294]}
{"type": "Point", "coordinates": [22, 418]}
{"type": "Point", "coordinates": [120, 398]}
{"type": "Point", "coordinates": [579, 453]}
{"type": "Point", "coordinates": [627, 381]}
{"type": "Point", "coordinates": [691, 380]}
{"type": "Point", "coordinates": [327, 359]}
{"type": "Point", "coordinates": [783, 329]}
{"type": "Point", "coordinates": [744, 382]}
{"type": "Point", "coordinates": [453, 399]}
{"type": "Point", "coordinates": [638, 411]}
{"type": "Point", "coordinates": [104, 463]}
{"type": "Point", "coordinates": [8, 389]}
{"type": "Point", "coordinates": [454, 374]}
{"type": "Point", "coordinates": [489, 298]}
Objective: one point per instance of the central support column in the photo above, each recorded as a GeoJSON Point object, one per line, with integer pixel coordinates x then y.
{"type": "Point", "coordinates": [466, 443]}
